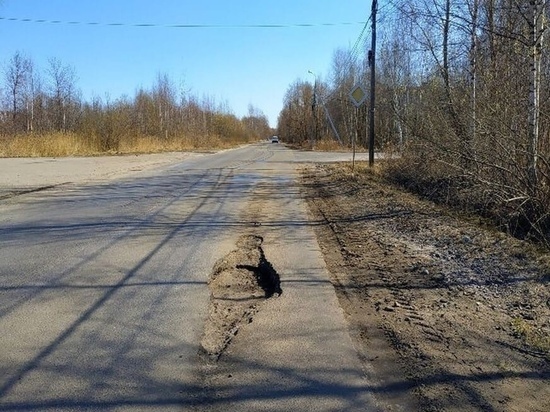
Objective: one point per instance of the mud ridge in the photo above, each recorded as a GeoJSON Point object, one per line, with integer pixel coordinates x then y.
{"type": "Point", "coordinates": [238, 283]}
{"type": "Point", "coordinates": [18, 192]}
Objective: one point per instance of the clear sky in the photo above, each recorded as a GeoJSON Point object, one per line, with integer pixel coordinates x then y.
{"type": "Point", "coordinates": [235, 64]}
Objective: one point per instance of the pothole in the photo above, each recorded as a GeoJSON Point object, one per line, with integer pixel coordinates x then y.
{"type": "Point", "coordinates": [239, 283]}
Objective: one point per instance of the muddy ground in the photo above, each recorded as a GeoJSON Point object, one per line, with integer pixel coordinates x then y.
{"type": "Point", "coordinates": [441, 306]}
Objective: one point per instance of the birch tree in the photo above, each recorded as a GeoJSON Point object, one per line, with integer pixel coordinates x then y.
{"type": "Point", "coordinates": [62, 84]}
{"type": "Point", "coordinates": [536, 21]}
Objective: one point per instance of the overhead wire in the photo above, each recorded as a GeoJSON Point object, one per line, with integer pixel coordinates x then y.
{"type": "Point", "coordinates": [179, 25]}
{"type": "Point", "coordinates": [352, 59]}
{"type": "Point", "coordinates": [353, 55]}
{"type": "Point", "coordinates": [356, 49]}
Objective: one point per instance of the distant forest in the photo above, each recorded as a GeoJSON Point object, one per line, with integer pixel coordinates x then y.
{"type": "Point", "coordinates": [42, 105]}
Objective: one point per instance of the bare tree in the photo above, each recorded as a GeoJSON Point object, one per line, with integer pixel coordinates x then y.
{"type": "Point", "coordinates": [63, 89]}
{"type": "Point", "coordinates": [296, 118]}
{"type": "Point", "coordinates": [164, 94]}
{"type": "Point", "coordinates": [256, 122]}
{"type": "Point", "coordinates": [345, 73]}
{"type": "Point", "coordinates": [17, 75]}
{"type": "Point", "coordinates": [32, 94]}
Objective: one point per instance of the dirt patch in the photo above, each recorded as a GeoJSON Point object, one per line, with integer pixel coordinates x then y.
{"type": "Point", "coordinates": [459, 312]}
{"type": "Point", "coordinates": [239, 282]}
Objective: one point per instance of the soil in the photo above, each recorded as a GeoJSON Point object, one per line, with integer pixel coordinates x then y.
{"type": "Point", "coordinates": [239, 282]}
{"type": "Point", "coordinates": [448, 309]}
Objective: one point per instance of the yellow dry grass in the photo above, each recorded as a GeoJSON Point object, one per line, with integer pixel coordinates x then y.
{"type": "Point", "coordinates": [328, 145]}
{"type": "Point", "coordinates": [50, 145]}
{"type": "Point", "coordinates": [72, 144]}
{"type": "Point", "coordinates": [537, 338]}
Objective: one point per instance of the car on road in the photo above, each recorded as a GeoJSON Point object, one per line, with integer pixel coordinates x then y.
{"type": "Point", "coordinates": [274, 139]}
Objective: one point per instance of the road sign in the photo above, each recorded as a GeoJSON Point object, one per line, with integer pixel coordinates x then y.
{"type": "Point", "coordinates": [358, 95]}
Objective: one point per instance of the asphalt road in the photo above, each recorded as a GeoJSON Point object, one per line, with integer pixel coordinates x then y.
{"type": "Point", "coordinates": [103, 293]}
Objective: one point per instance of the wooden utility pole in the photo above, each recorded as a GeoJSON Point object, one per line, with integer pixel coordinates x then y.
{"type": "Point", "coordinates": [371, 55]}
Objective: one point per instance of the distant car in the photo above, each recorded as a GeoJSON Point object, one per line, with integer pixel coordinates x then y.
{"type": "Point", "coordinates": [274, 139]}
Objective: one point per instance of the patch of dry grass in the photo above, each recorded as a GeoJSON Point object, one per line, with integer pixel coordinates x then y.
{"type": "Point", "coordinates": [72, 144]}
{"type": "Point", "coordinates": [328, 145]}
{"type": "Point", "coordinates": [49, 145]}
{"type": "Point", "coordinates": [536, 338]}
{"type": "Point", "coordinates": [361, 168]}
{"type": "Point", "coordinates": [152, 144]}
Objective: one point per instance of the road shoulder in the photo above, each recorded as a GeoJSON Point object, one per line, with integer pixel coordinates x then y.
{"type": "Point", "coordinates": [459, 309]}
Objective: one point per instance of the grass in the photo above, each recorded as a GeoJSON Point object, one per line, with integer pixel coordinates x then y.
{"type": "Point", "coordinates": [72, 144]}
{"type": "Point", "coordinates": [322, 145]}
{"type": "Point", "coordinates": [329, 145]}
{"type": "Point", "coordinates": [50, 145]}
{"type": "Point", "coordinates": [532, 336]}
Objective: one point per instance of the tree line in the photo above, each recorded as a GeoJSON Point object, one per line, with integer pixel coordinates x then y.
{"type": "Point", "coordinates": [42, 102]}
{"type": "Point", "coordinates": [462, 96]}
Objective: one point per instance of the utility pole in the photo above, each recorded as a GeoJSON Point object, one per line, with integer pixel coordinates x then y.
{"type": "Point", "coordinates": [371, 55]}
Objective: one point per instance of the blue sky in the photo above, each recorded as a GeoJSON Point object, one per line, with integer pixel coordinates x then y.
{"type": "Point", "coordinates": [237, 65]}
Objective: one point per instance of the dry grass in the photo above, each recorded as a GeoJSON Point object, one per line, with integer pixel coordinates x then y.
{"type": "Point", "coordinates": [72, 144]}
{"type": "Point", "coordinates": [328, 145]}
{"type": "Point", "coordinates": [322, 145]}
{"type": "Point", "coordinates": [361, 168]}
{"type": "Point", "coordinates": [536, 338]}
{"type": "Point", "coordinates": [50, 145]}
{"type": "Point", "coordinates": [151, 144]}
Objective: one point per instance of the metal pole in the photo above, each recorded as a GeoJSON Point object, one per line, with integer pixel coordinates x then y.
{"type": "Point", "coordinates": [372, 54]}
{"type": "Point", "coordinates": [353, 141]}
{"type": "Point", "coordinates": [331, 122]}
{"type": "Point", "coordinates": [314, 107]}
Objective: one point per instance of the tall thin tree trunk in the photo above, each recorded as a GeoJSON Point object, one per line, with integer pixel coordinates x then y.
{"type": "Point", "coordinates": [454, 117]}
{"type": "Point", "coordinates": [473, 66]}
{"type": "Point", "coordinates": [537, 32]}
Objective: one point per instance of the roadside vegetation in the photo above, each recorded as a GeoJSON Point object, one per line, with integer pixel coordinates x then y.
{"type": "Point", "coordinates": [462, 98]}
{"type": "Point", "coordinates": [44, 114]}
{"type": "Point", "coordinates": [456, 312]}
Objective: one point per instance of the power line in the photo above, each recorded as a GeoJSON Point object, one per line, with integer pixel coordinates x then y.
{"type": "Point", "coordinates": [358, 41]}
{"type": "Point", "coordinates": [179, 26]}
{"type": "Point", "coordinates": [354, 53]}
{"type": "Point", "coordinates": [352, 57]}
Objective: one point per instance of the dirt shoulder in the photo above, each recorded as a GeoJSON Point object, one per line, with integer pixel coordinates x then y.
{"type": "Point", "coordinates": [440, 306]}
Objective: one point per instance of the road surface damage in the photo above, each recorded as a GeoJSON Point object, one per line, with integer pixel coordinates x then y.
{"type": "Point", "coordinates": [239, 283]}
